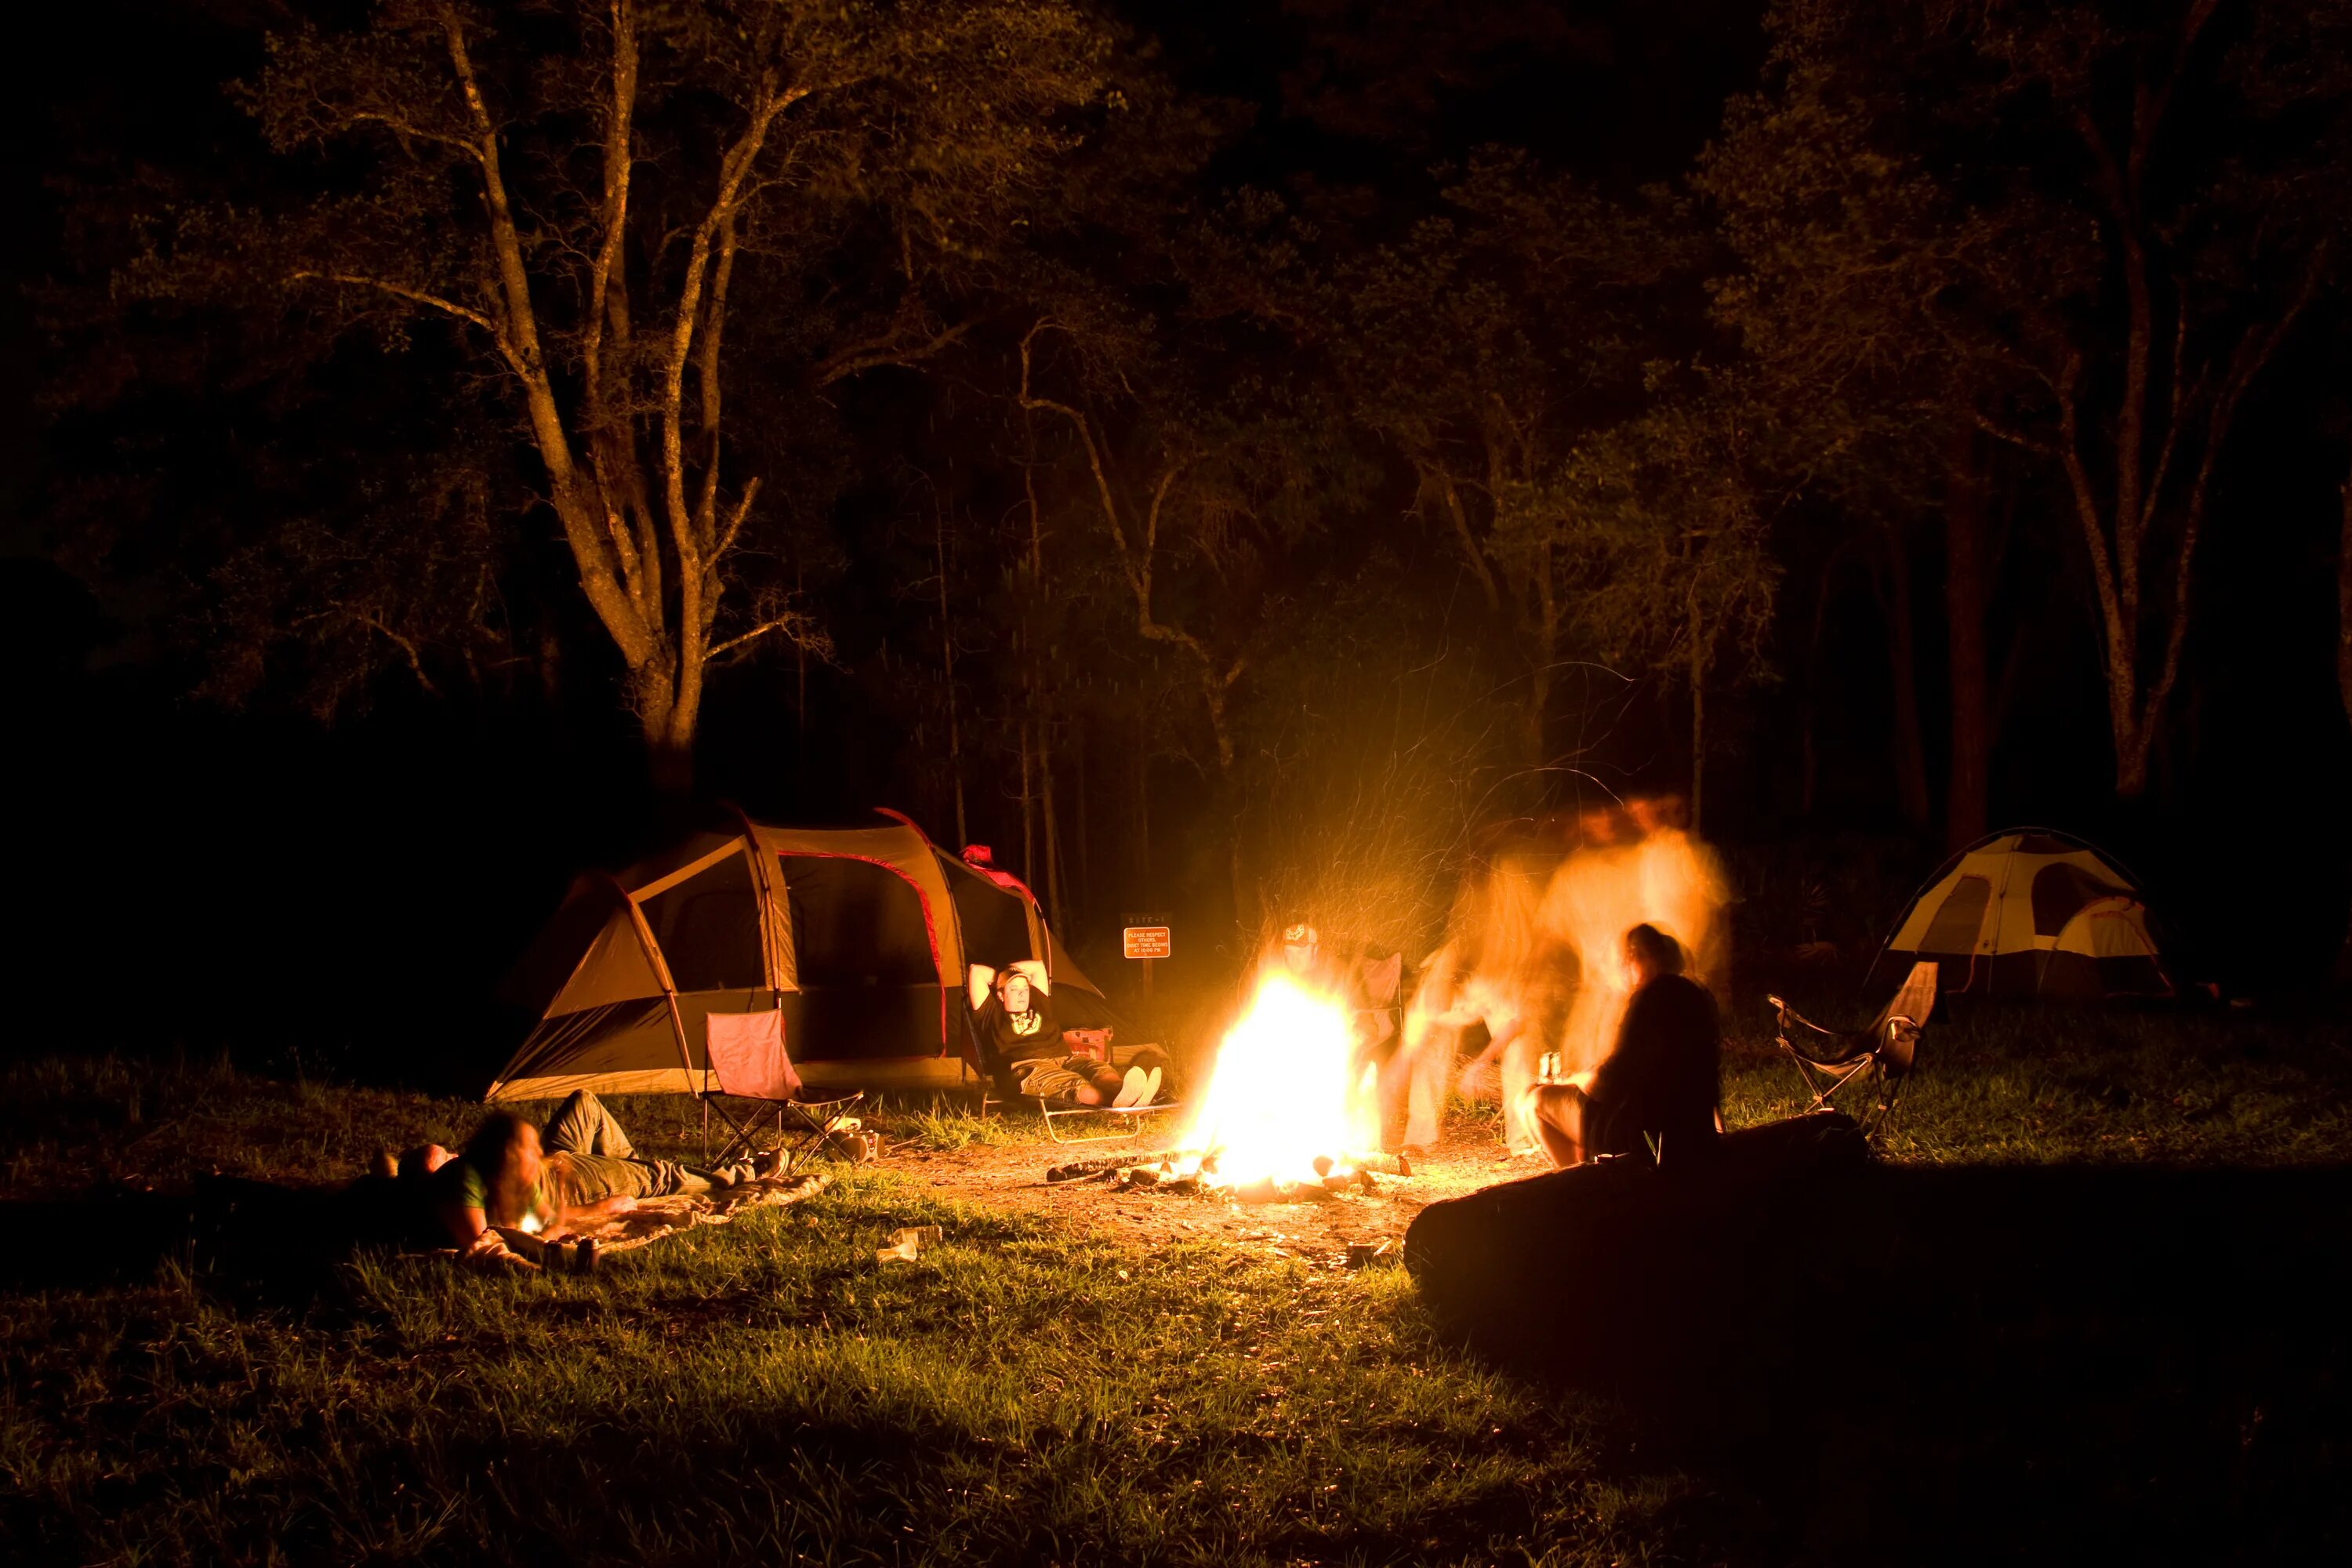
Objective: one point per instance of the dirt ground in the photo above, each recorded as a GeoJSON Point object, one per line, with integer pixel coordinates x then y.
{"type": "Point", "coordinates": [1014, 1177]}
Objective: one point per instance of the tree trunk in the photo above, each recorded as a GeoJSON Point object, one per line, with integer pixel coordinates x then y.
{"type": "Point", "coordinates": [947, 675]}
{"type": "Point", "coordinates": [1809, 707]}
{"type": "Point", "coordinates": [1246, 910]}
{"type": "Point", "coordinates": [2343, 968]}
{"type": "Point", "coordinates": [1085, 883]}
{"type": "Point", "coordinates": [1053, 889]}
{"type": "Point", "coordinates": [668, 726]}
{"type": "Point", "coordinates": [1142, 801]}
{"type": "Point", "coordinates": [1910, 748]}
{"type": "Point", "coordinates": [1965, 802]}
{"type": "Point", "coordinates": [1548, 615]}
{"type": "Point", "coordinates": [1028, 811]}
{"type": "Point", "coordinates": [1699, 717]}
{"type": "Point", "coordinates": [2343, 603]}
{"type": "Point", "coordinates": [800, 702]}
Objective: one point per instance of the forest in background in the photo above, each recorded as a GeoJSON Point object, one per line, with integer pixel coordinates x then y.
{"type": "Point", "coordinates": [1231, 459]}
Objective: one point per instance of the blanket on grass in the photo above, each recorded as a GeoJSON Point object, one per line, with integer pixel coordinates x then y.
{"type": "Point", "coordinates": [654, 1218]}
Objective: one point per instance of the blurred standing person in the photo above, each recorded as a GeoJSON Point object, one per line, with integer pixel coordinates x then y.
{"type": "Point", "coordinates": [1683, 891]}
{"type": "Point", "coordinates": [1593, 897]}
{"type": "Point", "coordinates": [1499, 969]}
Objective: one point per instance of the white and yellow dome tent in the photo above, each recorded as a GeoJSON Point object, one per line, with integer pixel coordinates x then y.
{"type": "Point", "coordinates": [2030, 912]}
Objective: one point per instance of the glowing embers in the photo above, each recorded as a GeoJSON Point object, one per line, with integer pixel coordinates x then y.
{"type": "Point", "coordinates": [1280, 1097]}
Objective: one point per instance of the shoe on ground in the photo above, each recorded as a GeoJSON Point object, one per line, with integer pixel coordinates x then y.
{"type": "Point", "coordinates": [769, 1166]}
{"type": "Point", "coordinates": [1130, 1089]}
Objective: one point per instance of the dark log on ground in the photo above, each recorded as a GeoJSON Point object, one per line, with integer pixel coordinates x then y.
{"type": "Point", "coordinates": [2079, 1351]}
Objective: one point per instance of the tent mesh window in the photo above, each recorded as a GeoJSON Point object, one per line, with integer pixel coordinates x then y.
{"type": "Point", "coordinates": [995, 922]}
{"type": "Point", "coordinates": [2061, 892]}
{"type": "Point", "coordinates": [1957, 925]}
{"type": "Point", "coordinates": [709, 929]}
{"type": "Point", "coordinates": [856, 924]}
{"type": "Point", "coordinates": [868, 983]}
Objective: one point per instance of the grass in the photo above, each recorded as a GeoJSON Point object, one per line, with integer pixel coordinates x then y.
{"type": "Point", "coordinates": [766, 1391]}
{"type": "Point", "coordinates": [2045, 1086]}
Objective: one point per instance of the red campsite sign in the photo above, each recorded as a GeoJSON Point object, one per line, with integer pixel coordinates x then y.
{"type": "Point", "coordinates": [1147, 942]}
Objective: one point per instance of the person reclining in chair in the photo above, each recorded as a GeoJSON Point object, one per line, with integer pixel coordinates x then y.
{"type": "Point", "coordinates": [1661, 1083]}
{"type": "Point", "coordinates": [1022, 1047]}
{"type": "Point", "coordinates": [514, 1177]}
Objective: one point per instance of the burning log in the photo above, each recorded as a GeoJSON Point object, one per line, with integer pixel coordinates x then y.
{"type": "Point", "coordinates": [1077, 1168]}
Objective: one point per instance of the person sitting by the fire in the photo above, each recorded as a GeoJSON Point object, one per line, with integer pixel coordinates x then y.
{"type": "Point", "coordinates": [513, 1177]}
{"type": "Point", "coordinates": [1300, 954]}
{"type": "Point", "coordinates": [1023, 1047]}
{"type": "Point", "coordinates": [1663, 1080]}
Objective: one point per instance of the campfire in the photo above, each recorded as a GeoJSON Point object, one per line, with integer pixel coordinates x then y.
{"type": "Point", "coordinates": [1282, 1117]}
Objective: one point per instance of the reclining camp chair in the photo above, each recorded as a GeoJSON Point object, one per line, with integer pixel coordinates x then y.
{"type": "Point", "coordinates": [747, 1061]}
{"type": "Point", "coordinates": [1058, 1114]}
{"type": "Point", "coordinates": [1832, 1061]}
{"type": "Point", "coordinates": [1115, 1120]}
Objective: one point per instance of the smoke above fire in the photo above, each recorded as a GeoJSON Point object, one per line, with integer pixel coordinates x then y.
{"type": "Point", "coordinates": [1534, 952]}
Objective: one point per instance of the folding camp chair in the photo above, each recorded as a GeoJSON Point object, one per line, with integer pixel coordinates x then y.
{"type": "Point", "coordinates": [1122, 1123]}
{"type": "Point", "coordinates": [747, 1062]}
{"type": "Point", "coordinates": [1881, 1056]}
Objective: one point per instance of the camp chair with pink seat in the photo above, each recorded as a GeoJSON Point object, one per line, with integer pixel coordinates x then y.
{"type": "Point", "coordinates": [746, 1061]}
{"type": "Point", "coordinates": [1866, 1068]}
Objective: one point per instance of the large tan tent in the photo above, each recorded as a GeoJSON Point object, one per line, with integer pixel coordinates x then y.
{"type": "Point", "coordinates": [860, 937]}
{"type": "Point", "coordinates": [2030, 913]}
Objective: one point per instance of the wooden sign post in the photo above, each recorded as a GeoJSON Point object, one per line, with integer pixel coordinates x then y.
{"type": "Point", "coordinates": [1146, 937]}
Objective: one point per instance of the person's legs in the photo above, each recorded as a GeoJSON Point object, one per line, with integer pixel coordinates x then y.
{"type": "Point", "coordinates": [1519, 1073]}
{"type": "Point", "coordinates": [580, 1180]}
{"type": "Point", "coordinates": [1100, 1083]}
{"type": "Point", "coordinates": [582, 1125]}
{"type": "Point", "coordinates": [1428, 1073]}
{"type": "Point", "coordinates": [1554, 1113]}
{"type": "Point", "coordinates": [1050, 1080]}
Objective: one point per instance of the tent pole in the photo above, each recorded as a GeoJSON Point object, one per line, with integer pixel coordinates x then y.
{"type": "Point", "coordinates": [774, 915]}
{"type": "Point", "coordinates": [763, 891]}
{"type": "Point", "coordinates": [661, 973]}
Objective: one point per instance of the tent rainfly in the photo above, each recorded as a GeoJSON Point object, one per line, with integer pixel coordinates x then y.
{"type": "Point", "coordinates": [2031, 912]}
{"type": "Point", "coordinates": [860, 936]}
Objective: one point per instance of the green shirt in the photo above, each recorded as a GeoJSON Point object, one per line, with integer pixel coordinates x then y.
{"type": "Point", "coordinates": [458, 1185]}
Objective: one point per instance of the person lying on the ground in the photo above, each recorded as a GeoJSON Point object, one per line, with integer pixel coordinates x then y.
{"type": "Point", "coordinates": [515, 1177]}
{"type": "Point", "coordinates": [411, 1164]}
{"type": "Point", "coordinates": [1660, 1089]}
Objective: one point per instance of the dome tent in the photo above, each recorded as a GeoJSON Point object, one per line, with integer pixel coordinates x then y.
{"type": "Point", "coordinates": [860, 936]}
{"type": "Point", "coordinates": [2030, 912]}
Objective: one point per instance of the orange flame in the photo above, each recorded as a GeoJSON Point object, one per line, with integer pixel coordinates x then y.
{"type": "Point", "coordinates": [1280, 1092]}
